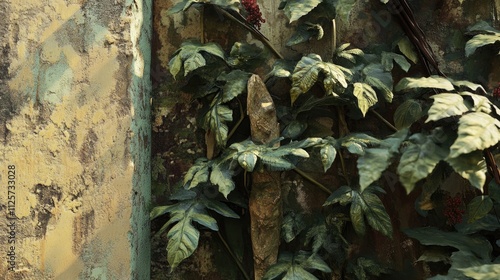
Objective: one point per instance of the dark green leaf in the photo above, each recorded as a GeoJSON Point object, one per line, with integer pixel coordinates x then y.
{"type": "Point", "coordinates": [342, 195]}
{"type": "Point", "coordinates": [235, 84]}
{"type": "Point", "coordinates": [366, 96]}
{"type": "Point", "coordinates": [407, 48]}
{"type": "Point", "coordinates": [434, 81]}
{"type": "Point", "coordinates": [407, 113]}
{"type": "Point", "coordinates": [220, 208]}
{"type": "Point", "coordinates": [205, 220]}
{"type": "Point", "coordinates": [433, 236]}
{"type": "Point", "coordinates": [419, 159]}
{"type": "Point", "coordinates": [476, 131]}
{"type": "Point", "coordinates": [190, 56]}
{"type": "Point", "coordinates": [215, 120]}
{"type": "Point", "coordinates": [343, 9]}
{"type": "Point", "coordinates": [197, 174]}
{"type": "Point", "coordinates": [376, 76]}
{"type": "Point", "coordinates": [494, 191]}
{"type": "Point", "coordinates": [357, 143]}
{"type": "Point", "coordinates": [282, 68]}
{"type": "Point", "coordinates": [294, 129]}
{"type": "Point", "coordinates": [388, 58]}
{"type": "Point", "coordinates": [488, 222]}
{"type": "Point", "coordinates": [356, 213]}
{"type": "Point", "coordinates": [245, 55]}
{"type": "Point", "coordinates": [296, 9]}
{"type": "Point", "coordinates": [375, 213]}
{"type": "Point", "coordinates": [479, 207]}
{"type": "Point", "coordinates": [304, 32]}
{"type": "Point", "coordinates": [314, 262]}
{"type": "Point", "coordinates": [293, 225]}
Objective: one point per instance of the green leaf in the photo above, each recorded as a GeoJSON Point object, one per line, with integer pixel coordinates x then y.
{"type": "Point", "coordinates": [476, 131]}
{"type": "Point", "coordinates": [375, 213]}
{"type": "Point", "coordinates": [349, 54]}
{"type": "Point", "coordinates": [471, 167]}
{"type": "Point", "coordinates": [197, 174]}
{"type": "Point", "coordinates": [343, 9]}
{"type": "Point", "coordinates": [190, 56]}
{"type": "Point", "coordinates": [282, 68]}
{"type": "Point", "coordinates": [205, 220]}
{"type": "Point", "coordinates": [215, 120]}
{"type": "Point", "coordinates": [295, 265]}
{"type": "Point", "coordinates": [367, 97]}
{"type": "Point", "coordinates": [479, 207]}
{"type": "Point", "coordinates": [356, 213]}
{"type": "Point", "coordinates": [418, 160]}
{"type": "Point", "coordinates": [488, 222]}
{"type": "Point", "coordinates": [479, 103]}
{"type": "Point", "coordinates": [482, 272]}
{"type": "Point", "coordinates": [494, 191]}
{"type": "Point", "coordinates": [433, 81]}
{"type": "Point", "coordinates": [305, 32]}
{"type": "Point", "coordinates": [342, 195]}
{"type": "Point", "coordinates": [446, 105]}
{"type": "Point", "coordinates": [407, 113]}
{"type": "Point", "coordinates": [222, 176]}
{"type": "Point", "coordinates": [389, 57]}
{"type": "Point", "coordinates": [296, 9]}
{"type": "Point", "coordinates": [375, 160]}
{"type": "Point", "coordinates": [294, 129]}
{"type": "Point", "coordinates": [246, 56]}
{"type": "Point", "coordinates": [247, 160]}
{"type": "Point", "coordinates": [433, 236]}
{"type": "Point", "coordinates": [306, 74]}
{"type": "Point", "coordinates": [377, 77]}
{"type": "Point", "coordinates": [319, 236]}
{"type": "Point", "coordinates": [159, 211]}
{"type": "Point", "coordinates": [293, 225]}
{"type": "Point", "coordinates": [235, 84]}
{"type": "Point", "coordinates": [407, 48]}
{"type": "Point", "coordinates": [182, 241]}
{"type": "Point", "coordinates": [328, 154]}
{"type": "Point", "coordinates": [220, 208]}
{"type": "Point", "coordinates": [480, 40]}
{"type": "Point", "coordinates": [357, 143]}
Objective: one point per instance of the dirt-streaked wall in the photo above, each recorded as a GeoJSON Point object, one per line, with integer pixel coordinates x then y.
{"type": "Point", "coordinates": [74, 139]}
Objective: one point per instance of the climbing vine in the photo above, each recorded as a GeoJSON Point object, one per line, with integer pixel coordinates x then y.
{"type": "Point", "coordinates": [441, 127]}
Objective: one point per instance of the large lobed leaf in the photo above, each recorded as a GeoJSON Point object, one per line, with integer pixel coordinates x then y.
{"type": "Point", "coordinates": [215, 120]}
{"type": "Point", "coordinates": [476, 131]}
{"type": "Point", "coordinates": [295, 9]}
{"type": "Point", "coordinates": [434, 81]}
{"type": "Point", "coordinates": [419, 159]}
{"type": "Point", "coordinates": [471, 167]}
{"type": "Point", "coordinates": [295, 266]}
{"type": "Point", "coordinates": [481, 40]}
{"type": "Point", "coordinates": [190, 57]}
{"type": "Point", "coordinates": [366, 96]}
{"type": "Point", "coordinates": [446, 105]}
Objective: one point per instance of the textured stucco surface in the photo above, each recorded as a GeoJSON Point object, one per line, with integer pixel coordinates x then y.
{"type": "Point", "coordinates": [74, 81]}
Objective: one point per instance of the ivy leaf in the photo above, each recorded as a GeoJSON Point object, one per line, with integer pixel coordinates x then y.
{"type": "Point", "coordinates": [306, 74]}
{"type": "Point", "coordinates": [190, 56]}
{"type": "Point", "coordinates": [478, 246]}
{"type": "Point", "coordinates": [481, 40]}
{"type": "Point", "coordinates": [247, 160]}
{"type": "Point", "coordinates": [215, 120]}
{"type": "Point", "coordinates": [235, 83]}
{"type": "Point", "coordinates": [376, 214]}
{"type": "Point", "coordinates": [407, 113]}
{"type": "Point", "coordinates": [328, 154]}
{"type": "Point", "coordinates": [471, 167]}
{"type": "Point", "coordinates": [446, 105]}
{"type": "Point", "coordinates": [434, 81]}
{"type": "Point", "coordinates": [389, 57]}
{"type": "Point", "coordinates": [376, 76]}
{"type": "Point", "coordinates": [367, 97]}
{"type": "Point", "coordinates": [222, 176]}
{"type": "Point", "coordinates": [476, 131]}
{"type": "Point", "coordinates": [479, 207]}
{"type": "Point", "coordinates": [418, 160]}
{"type": "Point", "coordinates": [295, 9]}
{"type": "Point", "coordinates": [295, 265]}
{"type": "Point", "coordinates": [293, 225]}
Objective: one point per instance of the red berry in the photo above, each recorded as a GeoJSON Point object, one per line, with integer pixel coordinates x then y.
{"type": "Point", "coordinates": [453, 210]}
{"type": "Point", "coordinates": [496, 91]}
{"type": "Point", "coordinates": [254, 16]}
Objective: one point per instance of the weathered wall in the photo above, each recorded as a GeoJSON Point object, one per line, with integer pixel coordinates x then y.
{"type": "Point", "coordinates": [74, 126]}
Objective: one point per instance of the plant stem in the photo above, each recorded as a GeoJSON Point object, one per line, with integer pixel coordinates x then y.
{"type": "Point", "coordinates": [383, 120]}
{"type": "Point", "coordinates": [238, 263]}
{"type": "Point", "coordinates": [242, 116]}
{"type": "Point", "coordinates": [310, 179]}
{"type": "Point", "coordinates": [344, 170]}
{"type": "Point", "coordinates": [334, 37]}
{"type": "Point", "coordinates": [202, 24]}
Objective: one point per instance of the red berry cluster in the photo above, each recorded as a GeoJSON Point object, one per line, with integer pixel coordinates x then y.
{"type": "Point", "coordinates": [453, 210]}
{"type": "Point", "coordinates": [496, 91]}
{"type": "Point", "coordinates": [254, 16]}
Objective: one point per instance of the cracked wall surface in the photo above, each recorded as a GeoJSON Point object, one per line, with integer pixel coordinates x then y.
{"type": "Point", "coordinates": [74, 125]}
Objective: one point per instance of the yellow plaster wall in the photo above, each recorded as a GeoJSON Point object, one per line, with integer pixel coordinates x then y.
{"type": "Point", "coordinates": [69, 135]}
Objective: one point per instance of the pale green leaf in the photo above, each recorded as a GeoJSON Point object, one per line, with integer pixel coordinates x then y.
{"type": "Point", "coordinates": [366, 96]}
{"type": "Point", "coordinates": [197, 174]}
{"type": "Point", "coordinates": [159, 211]}
{"type": "Point", "coordinates": [357, 143]}
{"type": "Point", "coordinates": [407, 113]}
{"type": "Point", "coordinates": [205, 220]}
{"type": "Point", "coordinates": [434, 81]}
{"type": "Point", "coordinates": [418, 160]}
{"type": "Point", "coordinates": [328, 154]}
{"type": "Point", "coordinates": [478, 208]}
{"type": "Point", "coordinates": [480, 40]}
{"type": "Point", "coordinates": [375, 213]}
{"type": "Point", "coordinates": [433, 236]}
{"type": "Point", "coordinates": [247, 160]}
{"type": "Point", "coordinates": [182, 241]}
{"type": "Point", "coordinates": [476, 131]}
{"type": "Point", "coordinates": [296, 9]}
{"type": "Point", "coordinates": [468, 85]}
{"type": "Point", "coordinates": [407, 48]}
{"type": "Point", "coordinates": [446, 105]}
{"type": "Point", "coordinates": [471, 167]}
{"type": "Point", "coordinates": [479, 103]}
{"type": "Point", "coordinates": [222, 177]}
{"type": "Point", "coordinates": [190, 56]}
{"type": "Point", "coordinates": [315, 262]}
{"type": "Point", "coordinates": [482, 272]}
{"type": "Point", "coordinates": [215, 120]}
{"type": "Point", "coordinates": [371, 165]}
{"type": "Point", "coordinates": [194, 62]}
{"type": "Point", "coordinates": [377, 77]}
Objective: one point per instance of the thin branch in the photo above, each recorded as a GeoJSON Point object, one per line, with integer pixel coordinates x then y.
{"type": "Point", "coordinates": [314, 182]}
{"type": "Point", "coordinates": [238, 263]}
{"type": "Point", "coordinates": [334, 37]}
{"type": "Point", "coordinates": [242, 116]}
{"type": "Point", "coordinates": [383, 120]}
{"type": "Point", "coordinates": [344, 170]}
